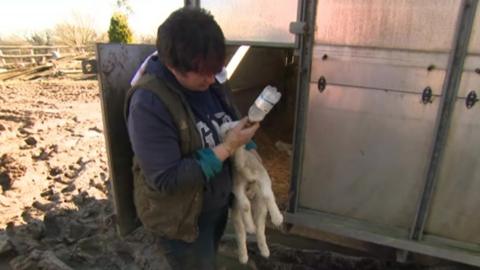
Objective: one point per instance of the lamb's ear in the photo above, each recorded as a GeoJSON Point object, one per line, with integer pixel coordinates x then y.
{"type": "Point", "coordinates": [224, 128]}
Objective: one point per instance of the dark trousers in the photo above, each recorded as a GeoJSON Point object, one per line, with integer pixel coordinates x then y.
{"type": "Point", "coordinates": [200, 254]}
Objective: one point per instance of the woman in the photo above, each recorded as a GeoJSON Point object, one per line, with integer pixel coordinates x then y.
{"type": "Point", "coordinates": [182, 175]}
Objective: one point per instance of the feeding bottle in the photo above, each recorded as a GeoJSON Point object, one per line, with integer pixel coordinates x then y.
{"type": "Point", "coordinates": [263, 104]}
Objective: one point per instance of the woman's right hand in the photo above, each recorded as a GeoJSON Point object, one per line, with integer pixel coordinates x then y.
{"type": "Point", "coordinates": [239, 135]}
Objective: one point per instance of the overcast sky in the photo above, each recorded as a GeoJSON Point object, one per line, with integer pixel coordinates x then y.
{"type": "Point", "coordinates": [23, 17]}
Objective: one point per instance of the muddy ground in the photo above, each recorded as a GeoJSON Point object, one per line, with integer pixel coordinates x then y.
{"type": "Point", "coordinates": [55, 210]}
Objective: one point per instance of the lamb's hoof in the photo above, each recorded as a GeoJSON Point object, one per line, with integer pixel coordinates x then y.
{"type": "Point", "coordinates": [243, 259]}
{"type": "Point", "coordinates": [277, 220]}
{"type": "Point", "coordinates": [265, 252]}
{"type": "Point", "coordinates": [251, 229]}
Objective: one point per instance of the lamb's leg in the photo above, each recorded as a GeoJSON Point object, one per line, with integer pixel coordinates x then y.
{"type": "Point", "coordinates": [244, 206]}
{"type": "Point", "coordinates": [256, 171]}
{"type": "Point", "coordinates": [260, 216]}
{"type": "Point", "coordinates": [269, 197]}
{"type": "Point", "coordinates": [240, 234]}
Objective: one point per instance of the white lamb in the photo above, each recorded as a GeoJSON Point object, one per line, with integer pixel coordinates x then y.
{"type": "Point", "coordinates": [252, 188]}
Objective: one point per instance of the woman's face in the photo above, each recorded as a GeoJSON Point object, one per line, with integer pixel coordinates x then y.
{"type": "Point", "coordinates": [194, 81]}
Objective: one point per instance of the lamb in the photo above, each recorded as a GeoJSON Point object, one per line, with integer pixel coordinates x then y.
{"type": "Point", "coordinates": [252, 188]}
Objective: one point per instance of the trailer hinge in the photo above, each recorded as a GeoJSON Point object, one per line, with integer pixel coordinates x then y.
{"type": "Point", "coordinates": [298, 28]}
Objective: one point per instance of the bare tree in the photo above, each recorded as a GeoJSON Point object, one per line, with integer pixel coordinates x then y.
{"type": "Point", "coordinates": [40, 38]}
{"type": "Point", "coordinates": [102, 37]}
{"type": "Point", "coordinates": [76, 32]}
{"type": "Point", "coordinates": [146, 39]}
{"type": "Point", "coordinates": [13, 40]}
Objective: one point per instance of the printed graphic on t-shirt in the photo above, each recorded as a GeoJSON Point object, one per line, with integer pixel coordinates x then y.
{"type": "Point", "coordinates": [222, 118]}
{"type": "Point", "coordinates": [206, 133]}
{"type": "Point", "coordinates": [209, 139]}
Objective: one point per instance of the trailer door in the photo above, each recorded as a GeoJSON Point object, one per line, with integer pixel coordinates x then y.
{"type": "Point", "coordinates": [368, 118]}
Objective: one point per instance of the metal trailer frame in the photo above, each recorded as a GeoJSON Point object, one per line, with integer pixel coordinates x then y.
{"type": "Point", "coordinates": [415, 241]}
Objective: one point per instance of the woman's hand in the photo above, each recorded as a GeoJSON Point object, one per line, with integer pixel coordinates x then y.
{"type": "Point", "coordinates": [240, 135]}
{"type": "Point", "coordinates": [235, 138]}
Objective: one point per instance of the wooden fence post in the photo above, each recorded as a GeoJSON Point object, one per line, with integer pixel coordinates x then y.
{"type": "Point", "coordinates": [32, 59]}
{"type": "Point", "coordinates": [2, 60]}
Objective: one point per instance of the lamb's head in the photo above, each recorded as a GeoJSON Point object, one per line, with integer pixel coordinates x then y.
{"type": "Point", "coordinates": [224, 128]}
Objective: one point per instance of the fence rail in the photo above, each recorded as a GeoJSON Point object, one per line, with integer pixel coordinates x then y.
{"type": "Point", "coordinates": [12, 56]}
{"type": "Point", "coordinates": [42, 47]}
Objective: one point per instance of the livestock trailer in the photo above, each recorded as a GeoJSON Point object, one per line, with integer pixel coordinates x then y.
{"type": "Point", "coordinates": [379, 105]}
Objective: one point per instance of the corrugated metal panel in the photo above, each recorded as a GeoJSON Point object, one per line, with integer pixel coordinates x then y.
{"type": "Point", "coordinates": [380, 68]}
{"type": "Point", "coordinates": [475, 38]}
{"type": "Point", "coordinates": [456, 201]}
{"type": "Point", "coordinates": [470, 81]}
{"type": "Point", "coordinates": [369, 135]}
{"type": "Point", "coordinates": [254, 20]}
{"type": "Point", "coordinates": [367, 153]}
{"type": "Point", "coordinates": [401, 24]}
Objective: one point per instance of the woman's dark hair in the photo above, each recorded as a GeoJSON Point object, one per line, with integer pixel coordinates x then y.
{"type": "Point", "coordinates": [191, 40]}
